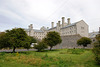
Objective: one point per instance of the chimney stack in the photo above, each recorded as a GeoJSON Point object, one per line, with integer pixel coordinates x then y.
{"type": "Point", "coordinates": [47, 27]}
{"type": "Point", "coordinates": [52, 24]}
{"type": "Point", "coordinates": [68, 21]}
{"type": "Point", "coordinates": [59, 23]}
{"type": "Point", "coordinates": [57, 26]}
{"type": "Point", "coordinates": [63, 21]}
{"type": "Point", "coordinates": [31, 26]}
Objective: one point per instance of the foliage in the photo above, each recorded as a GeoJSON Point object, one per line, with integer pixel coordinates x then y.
{"type": "Point", "coordinates": [84, 41]}
{"type": "Point", "coordinates": [96, 49]}
{"type": "Point", "coordinates": [32, 40]}
{"type": "Point", "coordinates": [40, 46]}
{"type": "Point", "coordinates": [52, 39]}
{"type": "Point", "coordinates": [15, 38]}
{"type": "Point", "coordinates": [73, 51]}
{"type": "Point", "coordinates": [48, 59]}
{"type": "Point", "coordinates": [4, 41]}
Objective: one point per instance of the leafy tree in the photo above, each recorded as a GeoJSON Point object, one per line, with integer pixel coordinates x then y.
{"type": "Point", "coordinates": [52, 39]}
{"type": "Point", "coordinates": [29, 41]}
{"type": "Point", "coordinates": [4, 41]}
{"type": "Point", "coordinates": [32, 40]}
{"type": "Point", "coordinates": [96, 49]}
{"type": "Point", "coordinates": [40, 46]}
{"type": "Point", "coordinates": [16, 38]}
{"type": "Point", "coordinates": [84, 41]}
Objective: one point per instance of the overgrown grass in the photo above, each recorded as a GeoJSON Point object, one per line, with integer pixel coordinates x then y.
{"type": "Point", "coordinates": [54, 58]}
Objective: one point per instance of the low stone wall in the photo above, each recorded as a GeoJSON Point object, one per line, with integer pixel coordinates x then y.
{"type": "Point", "coordinates": [70, 42]}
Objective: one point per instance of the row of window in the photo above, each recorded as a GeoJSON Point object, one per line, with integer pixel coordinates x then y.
{"type": "Point", "coordinates": [70, 32]}
{"type": "Point", "coordinates": [39, 33]}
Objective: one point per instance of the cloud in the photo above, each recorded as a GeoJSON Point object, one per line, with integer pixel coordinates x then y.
{"type": "Point", "coordinates": [21, 13]}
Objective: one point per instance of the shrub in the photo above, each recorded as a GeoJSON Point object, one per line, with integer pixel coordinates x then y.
{"type": "Point", "coordinates": [40, 46]}
{"type": "Point", "coordinates": [96, 49]}
{"type": "Point", "coordinates": [84, 41]}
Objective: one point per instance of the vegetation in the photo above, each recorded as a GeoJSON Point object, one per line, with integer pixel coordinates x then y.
{"type": "Point", "coordinates": [15, 38]}
{"type": "Point", "coordinates": [84, 41]}
{"type": "Point", "coordinates": [40, 46]}
{"type": "Point", "coordinates": [96, 49]}
{"type": "Point", "coordinates": [52, 39]}
{"type": "Point", "coordinates": [54, 58]}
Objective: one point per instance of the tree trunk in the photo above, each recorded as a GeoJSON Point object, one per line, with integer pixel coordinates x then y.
{"type": "Point", "coordinates": [51, 48]}
{"type": "Point", "coordinates": [14, 49]}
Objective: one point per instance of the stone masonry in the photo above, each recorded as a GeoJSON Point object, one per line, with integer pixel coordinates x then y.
{"type": "Point", "coordinates": [70, 42]}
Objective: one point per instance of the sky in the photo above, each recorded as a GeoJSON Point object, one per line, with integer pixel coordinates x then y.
{"type": "Point", "coordinates": [22, 13]}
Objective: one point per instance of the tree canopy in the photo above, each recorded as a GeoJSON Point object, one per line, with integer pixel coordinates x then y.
{"type": "Point", "coordinates": [15, 38]}
{"type": "Point", "coordinates": [84, 41]}
{"type": "Point", "coordinates": [52, 39]}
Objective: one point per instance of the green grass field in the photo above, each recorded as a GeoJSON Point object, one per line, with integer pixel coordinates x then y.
{"type": "Point", "coordinates": [55, 58]}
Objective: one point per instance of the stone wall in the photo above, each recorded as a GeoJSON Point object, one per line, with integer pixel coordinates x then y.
{"type": "Point", "coordinates": [70, 42]}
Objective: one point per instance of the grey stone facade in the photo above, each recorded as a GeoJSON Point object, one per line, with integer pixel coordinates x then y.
{"type": "Point", "coordinates": [70, 42]}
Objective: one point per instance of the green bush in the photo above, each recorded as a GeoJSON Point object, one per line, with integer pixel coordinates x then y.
{"type": "Point", "coordinates": [96, 49]}
{"type": "Point", "coordinates": [84, 41]}
{"type": "Point", "coordinates": [40, 46]}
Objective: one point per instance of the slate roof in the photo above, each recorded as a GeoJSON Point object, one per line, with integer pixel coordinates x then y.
{"type": "Point", "coordinates": [52, 28]}
{"type": "Point", "coordinates": [93, 34]}
{"type": "Point", "coordinates": [35, 30]}
{"type": "Point", "coordinates": [38, 31]}
{"type": "Point", "coordinates": [69, 25]}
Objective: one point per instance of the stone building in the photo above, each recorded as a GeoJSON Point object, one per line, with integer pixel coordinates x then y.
{"type": "Point", "coordinates": [38, 34]}
{"type": "Point", "coordinates": [64, 29]}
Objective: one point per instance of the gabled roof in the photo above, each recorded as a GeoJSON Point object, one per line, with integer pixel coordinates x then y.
{"type": "Point", "coordinates": [68, 25]}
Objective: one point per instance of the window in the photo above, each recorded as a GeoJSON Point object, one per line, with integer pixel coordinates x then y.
{"type": "Point", "coordinates": [82, 27]}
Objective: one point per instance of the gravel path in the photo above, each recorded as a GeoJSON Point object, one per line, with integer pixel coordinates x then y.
{"type": "Point", "coordinates": [17, 50]}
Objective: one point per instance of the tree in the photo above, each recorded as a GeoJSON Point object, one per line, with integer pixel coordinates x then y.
{"type": "Point", "coordinates": [96, 49]}
{"type": "Point", "coordinates": [84, 41]}
{"type": "Point", "coordinates": [29, 41]}
{"type": "Point", "coordinates": [52, 39]}
{"type": "Point", "coordinates": [40, 46]}
{"type": "Point", "coordinates": [16, 38]}
{"type": "Point", "coordinates": [4, 40]}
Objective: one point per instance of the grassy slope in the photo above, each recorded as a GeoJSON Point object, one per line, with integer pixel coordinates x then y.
{"type": "Point", "coordinates": [56, 58]}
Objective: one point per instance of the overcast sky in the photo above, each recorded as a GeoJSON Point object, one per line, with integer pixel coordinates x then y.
{"type": "Point", "coordinates": [21, 13]}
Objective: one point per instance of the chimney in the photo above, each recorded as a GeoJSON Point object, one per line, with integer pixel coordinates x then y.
{"type": "Point", "coordinates": [57, 26]}
{"type": "Point", "coordinates": [68, 21]}
{"type": "Point", "coordinates": [31, 26]}
{"type": "Point", "coordinates": [47, 27]}
{"type": "Point", "coordinates": [63, 21]}
{"type": "Point", "coordinates": [52, 24]}
{"type": "Point", "coordinates": [59, 23]}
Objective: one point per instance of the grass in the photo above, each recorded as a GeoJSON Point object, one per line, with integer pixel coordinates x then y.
{"type": "Point", "coordinates": [54, 58]}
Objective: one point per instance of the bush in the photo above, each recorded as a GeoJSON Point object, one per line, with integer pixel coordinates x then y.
{"type": "Point", "coordinates": [84, 41]}
{"type": "Point", "coordinates": [40, 46]}
{"type": "Point", "coordinates": [96, 49]}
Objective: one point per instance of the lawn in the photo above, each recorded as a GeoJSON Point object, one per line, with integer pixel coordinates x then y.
{"type": "Point", "coordinates": [54, 58]}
